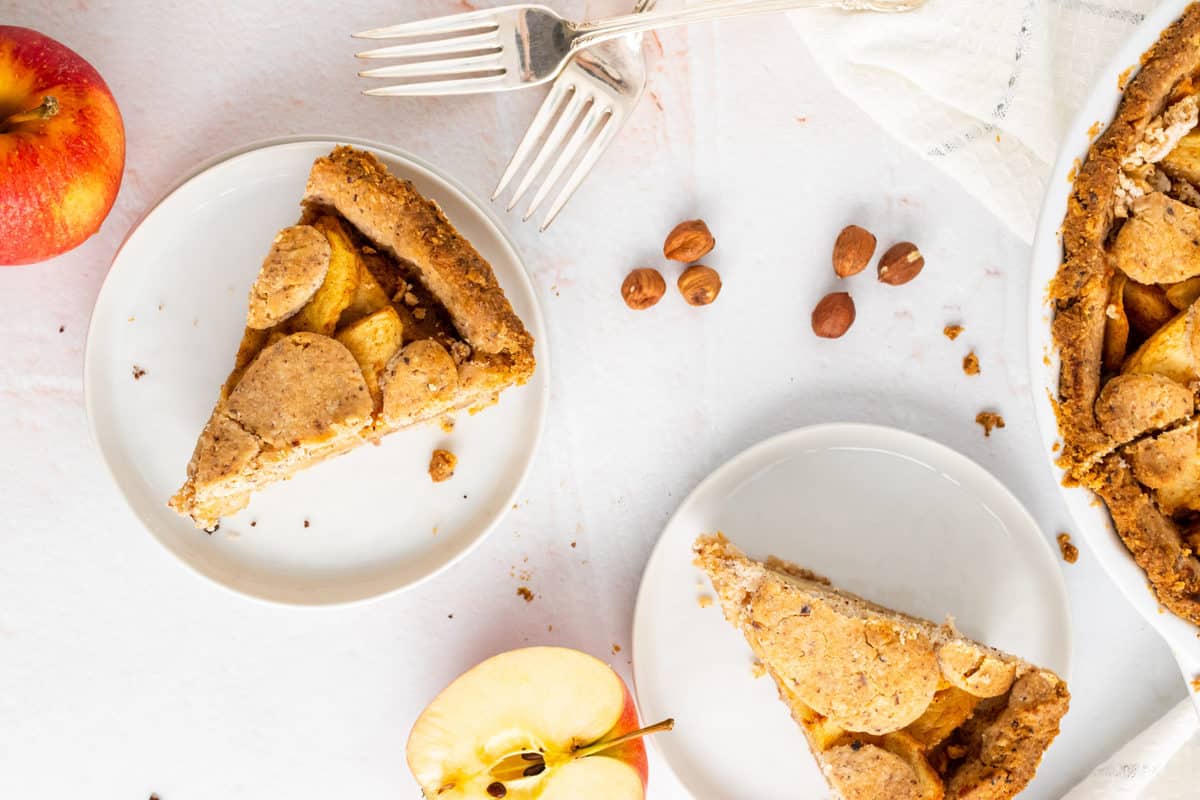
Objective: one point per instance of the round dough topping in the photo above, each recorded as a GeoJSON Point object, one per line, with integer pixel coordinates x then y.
{"type": "Point", "coordinates": [290, 275]}
{"type": "Point", "coordinates": [301, 390]}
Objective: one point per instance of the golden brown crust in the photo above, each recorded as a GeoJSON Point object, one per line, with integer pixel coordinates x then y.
{"type": "Point", "coordinates": [1155, 540]}
{"type": "Point", "coordinates": [1160, 243]}
{"type": "Point", "coordinates": [1081, 295]}
{"type": "Point", "coordinates": [1133, 405]}
{"type": "Point", "coordinates": [858, 773]}
{"type": "Point", "coordinates": [945, 741]}
{"type": "Point", "coordinates": [362, 191]}
{"type": "Point", "coordinates": [434, 334]}
{"type": "Point", "coordinates": [1003, 745]}
{"type": "Point", "coordinates": [290, 275]}
{"type": "Point", "coordinates": [303, 389]}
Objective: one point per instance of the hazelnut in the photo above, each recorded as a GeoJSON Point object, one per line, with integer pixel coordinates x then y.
{"type": "Point", "coordinates": [689, 241]}
{"type": "Point", "coordinates": [643, 288]}
{"type": "Point", "coordinates": [699, 285]}
{"type": "Point", "coordinates": [900, 264]}
{"type": "Point", "coordinates": [833, 316]}
{"type": "Point", "coordinates": [852, 251]}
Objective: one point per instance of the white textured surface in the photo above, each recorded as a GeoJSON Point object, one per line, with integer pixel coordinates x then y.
{"type": "Point", "coordinates": [123, 674]}
{"type": "Point", "coordinates": [983, 90]}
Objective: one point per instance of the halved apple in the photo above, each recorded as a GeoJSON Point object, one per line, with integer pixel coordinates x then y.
{"type": "Point", "coordinates": [541, 722]}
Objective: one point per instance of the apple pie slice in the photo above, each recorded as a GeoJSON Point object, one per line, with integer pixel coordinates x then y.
{"type": "Point", "coordinates": [370, 315]}
{"type": "Point", "coordinates": [892, 706]}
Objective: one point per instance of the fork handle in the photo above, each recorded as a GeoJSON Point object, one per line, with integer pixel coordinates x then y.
{"type": "Point", "coordinates": [591, 33]}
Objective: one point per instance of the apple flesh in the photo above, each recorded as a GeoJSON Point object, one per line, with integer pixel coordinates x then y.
{"type": "Point", "coordinates": [62, 147]}
{"type": "Point", "coordinates": [541, 722]}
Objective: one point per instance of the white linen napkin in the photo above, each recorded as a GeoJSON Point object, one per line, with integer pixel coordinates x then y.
{"type": "Point", "coordinates": [1140, 769]}
{"type": "Point", "coordinates": [983, 89]}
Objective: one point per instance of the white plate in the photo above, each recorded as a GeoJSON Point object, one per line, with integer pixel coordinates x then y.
{"type": "Point", "coordinates": [1091, 517]}
{"type": "Point", "coordinates": [174, 304]}
{"type": "Point", "coordinates": [887, 514]}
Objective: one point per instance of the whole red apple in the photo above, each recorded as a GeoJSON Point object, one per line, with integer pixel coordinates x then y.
{"type": "Point", "coordinates": [62, 147]}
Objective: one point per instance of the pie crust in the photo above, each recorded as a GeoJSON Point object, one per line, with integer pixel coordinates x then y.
{"type": "Point", "coordinates": [893, 706]}
{"type": "Point", "coordinates": [1126, 399]}
{"type": "Point", "coordinates": [396, 321]}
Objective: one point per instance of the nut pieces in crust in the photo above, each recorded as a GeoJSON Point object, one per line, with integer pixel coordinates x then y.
{"type": "Point", "coordinates": [351, 364]}
{"type": "Point", "coordinates": [893, 706]}
{"type": "Point", "coordinates": [1126, 318]}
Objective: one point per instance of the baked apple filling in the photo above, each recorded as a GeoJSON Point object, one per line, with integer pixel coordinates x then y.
{"type": "Point", "coordinates": [371, 314]}
{"type": "Point", "coordinates": [1127, 319]}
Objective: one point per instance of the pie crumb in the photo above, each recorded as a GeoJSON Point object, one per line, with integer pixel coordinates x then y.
{"type": "Point", "coordinates": [952, 332]}
{"type": "Point", "coordinates": [971, 364]}
{"type": "Point", "coordinates": [990, 420]}
{"type": "Point", "coordinates": [757, 669]}
{"type": "Point", "coordinates": [1123, 78]}
{"type": "Point", "coordinates": [441, 465]}
{"type": "Point", "coordinates": [704, 600]}
{"type": "Point", "coordinates": [1070, 552]}
{"type": "Point", "coordinates": [447, 424]}
{"type": "Point", "coordinates": [616, 648]}
{"type": "Point", "coordinates": [525, 593]}
{"type": "Point", "coordinates": [1196, 684]}
{"type": "Point", "coordinates": [138, 372]}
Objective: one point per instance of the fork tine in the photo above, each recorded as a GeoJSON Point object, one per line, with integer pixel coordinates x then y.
{"type": "Point", "coordinates": [450, 66]}
{"type": "Point", "coordinates": [438, 85]}
{"type": "Point", "coordinates": [603, 139]}
{"type": "Point", "coordinates": [566, 120]}
{"type": "Point", "coordinates": [537, 129]}
{"type": "Point", "coordinates": [457, 44]}
{"type": "Point", "coordinates": [586, 128]}
{"type": "Point", "coordinates": [424, 27]}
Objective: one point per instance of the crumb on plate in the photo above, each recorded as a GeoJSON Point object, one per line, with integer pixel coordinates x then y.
{"type": "Point", "coordinates": [990, 420]}
{"type": "Point", "coordinates": [1070, 552]}
{"type": "Point", "coordinates": [952, 332]}
{"type": "Point", "coordinates": [441, 465]}
{"type": "Point", "coordinates": [971, 363]}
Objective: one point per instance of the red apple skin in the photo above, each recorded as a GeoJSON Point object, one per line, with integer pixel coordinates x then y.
{"type": "Point", "coordinates": [59, 176]}
{"type": "Point", "coordinates": [634, 752]}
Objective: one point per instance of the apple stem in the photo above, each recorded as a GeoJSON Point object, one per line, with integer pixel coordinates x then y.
{"type": "Point", "coordinates": [47, 109]}
{"type": "Point", "coordinates": [599, 747]}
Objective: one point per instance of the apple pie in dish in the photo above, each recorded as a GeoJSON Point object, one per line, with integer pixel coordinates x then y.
{"type": "Point", "coordinates": [1127, 319]}
{"type": "Point", "coordinates": [893, 706]}
{"type": "Point", "coordinates": [369, 315]}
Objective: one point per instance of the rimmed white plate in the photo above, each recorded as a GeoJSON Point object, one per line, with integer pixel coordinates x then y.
{"type": "Point", "coordinates": [174, 304]}
{"type": "Point", "coordinates": [890, 515]}
{"type": "Point", "coordinates": [1091, 517]}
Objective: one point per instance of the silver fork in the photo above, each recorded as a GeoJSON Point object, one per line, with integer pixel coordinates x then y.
{"type": "Point", "coordinates": [511, 47]}
{"type": "Point", "coordinates": [595, 94]}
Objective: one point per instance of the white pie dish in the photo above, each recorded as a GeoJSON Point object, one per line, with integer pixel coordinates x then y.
{"type": "Point", "coordinates": [174, 303]}
{"type": "Point", "coordinates": [837, 499]}
{"type": "Point", "coordinates": [1090, 515]}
